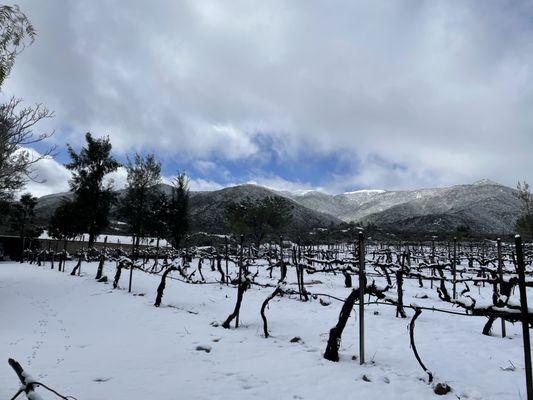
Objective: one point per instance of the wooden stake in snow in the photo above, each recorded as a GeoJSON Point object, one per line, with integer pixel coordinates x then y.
{"type": "Point", "coordinates": [131, 276]}
{"type": "Point", "coordinates": [524, 309]}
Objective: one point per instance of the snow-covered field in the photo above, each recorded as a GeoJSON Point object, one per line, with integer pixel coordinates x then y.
{"type": "Point", "coordinates": [83, 338]}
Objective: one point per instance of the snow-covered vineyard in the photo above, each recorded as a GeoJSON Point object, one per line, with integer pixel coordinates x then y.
{"type": "Point", "coordinates": [239, 322]}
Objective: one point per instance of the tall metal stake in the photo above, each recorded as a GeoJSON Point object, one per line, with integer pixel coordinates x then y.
{"type": "Point", "coordinates": [240, 275]}
{"type": "Point", "coordinates": [362, 285]}
{"type": "Point", "coordinates": [524, 309]}
{"type": "Point", "coordinates": [454, 267]}
{"type": "Point", "coordinates": [500, 273]}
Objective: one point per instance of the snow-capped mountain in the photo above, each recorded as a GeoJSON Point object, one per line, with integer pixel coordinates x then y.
{"type": "Point", "coordinates": [483, 207]}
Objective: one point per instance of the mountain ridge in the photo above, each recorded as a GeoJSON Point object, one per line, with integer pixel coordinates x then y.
{"type": "Point", "coordinates": [483, 207]}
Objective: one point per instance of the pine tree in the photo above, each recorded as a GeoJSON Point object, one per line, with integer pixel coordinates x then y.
{"type": "Point", "coordinates": [178, 217]}
{"type": "Point", "coordinates": [524, 224]}
{"type": "Point", "coordinates": [158, 224]}
{"type": "Point", "coordinates": [64, 223]}
{"type": "Point", "coordinates": [144, 174]}
{"type": "Point", "coordinates": [92, 197]}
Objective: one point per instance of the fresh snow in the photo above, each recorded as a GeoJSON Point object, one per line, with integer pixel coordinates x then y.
{"type": "Point", "coordinates": [366, 191]}
{"type": "Point", "coordinates": [113, 239]}
{"type": "Point", "coordinates": [85, 339]}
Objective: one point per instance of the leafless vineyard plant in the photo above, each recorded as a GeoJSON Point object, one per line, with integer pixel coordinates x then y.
{"type": "Point", "coordinates": [456, 271]}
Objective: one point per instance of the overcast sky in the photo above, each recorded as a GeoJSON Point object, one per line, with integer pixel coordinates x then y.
{"type": "Point", "coordinates": [289, 94]}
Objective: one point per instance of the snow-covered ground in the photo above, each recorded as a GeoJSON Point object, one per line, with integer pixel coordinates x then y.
{"type": "Point", "coordinates": [83, 338]}
{"type": "Point", "coordinates": [113, 239]}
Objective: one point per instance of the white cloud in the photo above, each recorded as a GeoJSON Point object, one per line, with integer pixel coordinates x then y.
{"type": "Point", "coordinates": [280, 184]}
{"type": "Point", "coordinates": [440, 91]}
{"type": "Point", "coordinates": [204, 185]}
{"type": "Point", "coordinates": [119, 178]}
{"type": "Point", "coordinates": [197, 184]}
{"type": "Point", "coordinates": [51, 177]}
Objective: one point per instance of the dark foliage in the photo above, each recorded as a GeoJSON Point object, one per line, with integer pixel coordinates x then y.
{"type": "Point", "coordinates": [258, 218]}
{"type": "Point", "coordinates": [178, 210]}
{"type": "Point", "coordinates": [92, 197]}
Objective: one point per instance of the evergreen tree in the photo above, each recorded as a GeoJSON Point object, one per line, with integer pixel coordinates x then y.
{"type": "Point", "coordinates": [524, 224]}
{"type": "Point", "coordinates": [22, 219]}
{"type": "Point", "coordinates": [93, 198]}
{"type": "Point", "coordinates": [178, 214]}
{"type": "Point", "coordinates": [159, 216]}
{"type": "Point", "coordinates": [258, 218]}
{"type": "Point", "coordinates": [144, 174]}
{"type": "Point", "coordinates": [64, 223]}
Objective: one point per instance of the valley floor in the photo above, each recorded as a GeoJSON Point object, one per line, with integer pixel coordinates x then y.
{"type": "Point", "coordinates": [83, 338]}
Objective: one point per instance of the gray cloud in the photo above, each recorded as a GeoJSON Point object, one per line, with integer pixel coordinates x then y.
{"type": "Point", "coordinates": [413, 93]}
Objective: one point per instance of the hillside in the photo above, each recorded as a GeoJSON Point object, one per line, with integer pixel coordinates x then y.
{"type": "Point", "coordinates": [207, 208]}
{"type": "Point", "coordinates": [484, 207]}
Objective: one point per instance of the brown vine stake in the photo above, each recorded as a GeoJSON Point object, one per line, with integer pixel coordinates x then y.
{"type": "Point", "coordinates": [418, 311]}
{"type": "Point", "coordinates": [275, 293]}
{"type": "Point", "coordinates": [161, 287]}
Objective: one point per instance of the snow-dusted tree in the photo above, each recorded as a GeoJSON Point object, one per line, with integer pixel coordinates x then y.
{"type": "Point", "coordinates": [144, 174]}
{"type": "Point", "coordinates": [524, 224]}
{"type": "Point", "coordinates": [93, 197]}
{"type": "Point", "coordinates": [178, 214]}
{"type": "Point", "coordinates": [17, 122]}
{"type": "Point", "coordinates": [258, 218]}
{"type": "Point", "coordinates": [16, 32]}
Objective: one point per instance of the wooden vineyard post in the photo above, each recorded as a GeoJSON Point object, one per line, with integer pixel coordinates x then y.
{"type": "Point", "coordinates": [454, 267]}
{"type": "Point", "coordinates": [523, 306]}
{"type": "Point", "coordinates": [362, 284]}
{"type": "Point", "coordinates": [500, 273]}
{"type": "Point", "coordinates": [131, 277]}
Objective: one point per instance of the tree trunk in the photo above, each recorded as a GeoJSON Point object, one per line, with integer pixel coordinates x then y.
{"type": "Point", "coordinates": [100, 270]}
{"type": "Point", "coordinates": [276, 292]}
{"type": "Point", "coordinates": [240, 293]}
{"type": "Point", "coordinates": [335, 333]}
{"type": "Point", "coordinates": [161, 287]}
